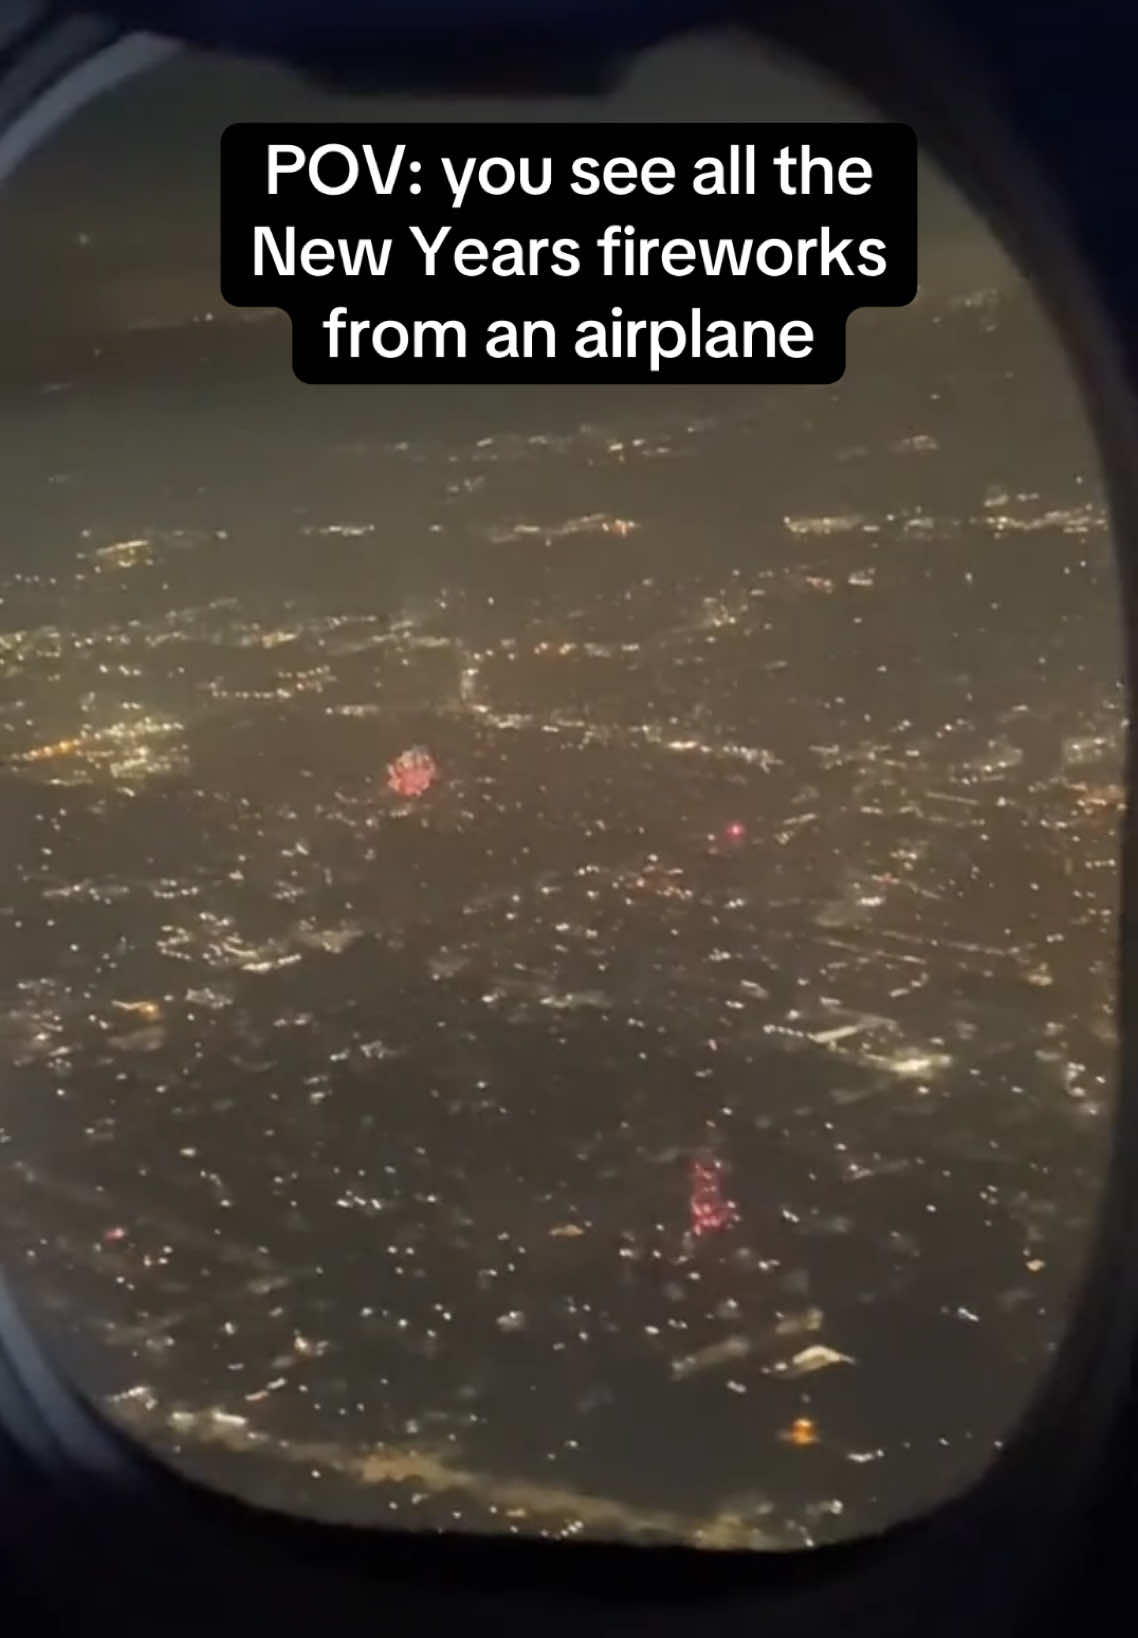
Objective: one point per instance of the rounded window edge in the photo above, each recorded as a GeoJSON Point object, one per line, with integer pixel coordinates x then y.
{"type": "Point", "coordinates": [1084, 332]}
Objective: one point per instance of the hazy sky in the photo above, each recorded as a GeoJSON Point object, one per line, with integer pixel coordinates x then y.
{"type": "Point", "coordinates": [115, 219]}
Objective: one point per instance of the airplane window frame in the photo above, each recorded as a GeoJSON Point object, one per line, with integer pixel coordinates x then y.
{"type": "Point", "coordinates": [915, 69]}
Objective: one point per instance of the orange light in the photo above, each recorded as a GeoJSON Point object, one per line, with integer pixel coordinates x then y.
{"type": "Point", "coordinates": [802, 1431]}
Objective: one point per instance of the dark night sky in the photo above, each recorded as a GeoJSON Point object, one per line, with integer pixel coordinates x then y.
{"type": "Point", "coordinates": [135, 174]}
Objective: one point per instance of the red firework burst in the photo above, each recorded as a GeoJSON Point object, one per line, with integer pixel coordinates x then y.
{"type": "Point", "coordinates": [412, 773]}
{"type": "Point", "coordinates": [710, 1208]}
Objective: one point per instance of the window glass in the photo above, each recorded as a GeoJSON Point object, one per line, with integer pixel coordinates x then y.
{"type": "Point", "coordinates": [558, 945]}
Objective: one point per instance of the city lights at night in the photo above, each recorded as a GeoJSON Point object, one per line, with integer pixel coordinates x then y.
{"type": "Point", "coordinates": [558, 953]}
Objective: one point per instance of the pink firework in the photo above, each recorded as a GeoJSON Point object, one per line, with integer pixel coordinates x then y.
{"type": "Point", "coordinates": [710, 1208]}
{"type": "Point", "coordinates": [412, 773]}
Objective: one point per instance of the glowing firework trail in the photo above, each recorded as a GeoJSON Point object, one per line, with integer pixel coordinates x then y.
{"type": "Point", "coordinates": [412, 773]}
{"type": "Point", "coordinates": [709, 1207]}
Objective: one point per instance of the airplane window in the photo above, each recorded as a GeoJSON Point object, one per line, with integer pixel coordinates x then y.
{"type": "Point", "coordinates": [558, 945]}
